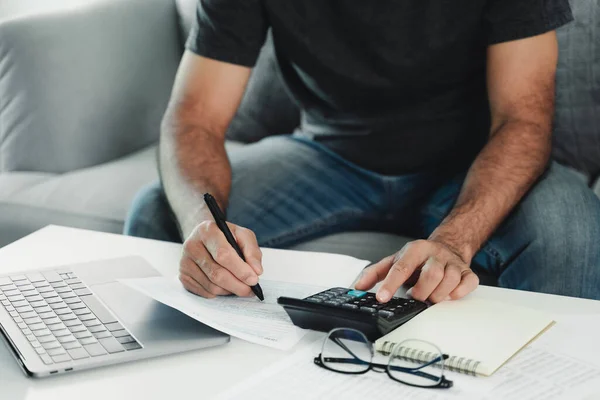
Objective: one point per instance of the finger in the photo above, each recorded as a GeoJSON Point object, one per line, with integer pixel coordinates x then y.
{"type": "Point", "coordinates": [246, 239]}
{"type": "Point", "coordinates": [193, 287]}
{"type": "Point", "coordinates": [215, 278]}
{"type": "Point", "coordinates": [224, 254]}
{"type": "Point", "coordinates": [468, 282]}
{"type": "Point", "coordinates": [431, 275]}
{"type": "Point", "coordinates": [241, 291]}
{"type": "Point", "coordinates": [448, 284]}
{"type": "Point", "coordinates": [190, 268]}
{"type": "Point", "coordinates": [373, 274]}
{"type": "Point", "coordinates": [410, 258]}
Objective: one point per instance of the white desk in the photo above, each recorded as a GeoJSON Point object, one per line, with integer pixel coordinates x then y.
{"type": "Point", "coordinates": [200, 374]}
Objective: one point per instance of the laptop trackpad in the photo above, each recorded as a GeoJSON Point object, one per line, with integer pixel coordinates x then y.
{"type": "Point", "coordinates": [131, 306]}
{"type": "Point", "coordinates": [152, 322]}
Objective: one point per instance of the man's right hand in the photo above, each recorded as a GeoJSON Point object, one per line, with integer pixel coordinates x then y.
{"type": "Point", "coordinates": [211, 267]}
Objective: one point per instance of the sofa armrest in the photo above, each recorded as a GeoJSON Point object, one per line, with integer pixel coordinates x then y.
{"type": "Point", "coordinates": [85, 85]}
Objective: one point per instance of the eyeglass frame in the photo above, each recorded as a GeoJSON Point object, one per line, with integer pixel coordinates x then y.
{"type": "Point", "coordinates": [378, 368]}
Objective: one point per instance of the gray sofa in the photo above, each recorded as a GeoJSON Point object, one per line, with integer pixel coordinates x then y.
{"type": "Point", "coordinates": [84, 84]}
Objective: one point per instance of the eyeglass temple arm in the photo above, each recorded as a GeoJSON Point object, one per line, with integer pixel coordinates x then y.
{"type": "Point", "coordinates": [343, 346]}
{"type": "Point", "coordinates": [412, 371]}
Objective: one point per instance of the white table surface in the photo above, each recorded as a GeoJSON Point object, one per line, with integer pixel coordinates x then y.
{"type": "Point", "coordinates": [199, 374]}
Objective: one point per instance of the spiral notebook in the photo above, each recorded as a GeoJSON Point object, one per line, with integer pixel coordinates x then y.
{"type": "Point", "coordinates": [478, 335]}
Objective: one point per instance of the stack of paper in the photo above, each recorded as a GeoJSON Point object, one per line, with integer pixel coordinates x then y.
{"type": "Point", "coordinates": [286, 273]}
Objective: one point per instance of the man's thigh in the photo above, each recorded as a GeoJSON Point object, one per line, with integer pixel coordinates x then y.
{"type": "Point", "coordinates": [549, 243]}
{"type": "Point", "coordinates": [288, 190]}
{"type": "Point", "coordinates": [285, 189]}
{"type": "Point", "coordinates": [150, 216]}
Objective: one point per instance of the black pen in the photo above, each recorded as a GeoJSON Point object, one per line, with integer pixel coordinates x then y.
{"type": "Point", "coordinates": [219, 217]}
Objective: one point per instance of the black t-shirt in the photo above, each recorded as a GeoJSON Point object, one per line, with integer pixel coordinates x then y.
{"type": "Point", "coordinates": [395, 86]}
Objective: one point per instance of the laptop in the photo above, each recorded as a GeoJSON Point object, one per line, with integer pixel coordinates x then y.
{"type": "Point", "coordinates": [79, 316]}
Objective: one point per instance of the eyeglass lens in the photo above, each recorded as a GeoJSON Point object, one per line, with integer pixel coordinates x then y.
{"type": "Point", "coordinates": [417, 363]}
{"type": "Point", "coordinates": [346, 350]}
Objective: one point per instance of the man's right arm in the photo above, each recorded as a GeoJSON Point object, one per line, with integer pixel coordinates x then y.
{"type": "Point", "coordinates": [193, 161]}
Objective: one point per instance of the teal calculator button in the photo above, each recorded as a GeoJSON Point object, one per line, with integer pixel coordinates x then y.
{"type": "Point", "coordinates": [356, 293]}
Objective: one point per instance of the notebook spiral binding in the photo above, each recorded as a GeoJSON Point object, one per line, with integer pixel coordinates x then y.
{"type": "Point", "coordinates": [462, 365]}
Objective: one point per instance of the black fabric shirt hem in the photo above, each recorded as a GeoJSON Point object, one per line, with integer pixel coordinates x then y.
{"type": "Point", "coordinates": [207, 49]}
{"type": "Point", "coordinates": [528, 29]}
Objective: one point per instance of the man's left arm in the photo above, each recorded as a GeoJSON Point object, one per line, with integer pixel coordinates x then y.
{"type": "Point", "coordinates": [521, 78]}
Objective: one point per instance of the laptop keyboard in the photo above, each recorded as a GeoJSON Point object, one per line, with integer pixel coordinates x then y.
{"type": "Point", "coordinates": [62, 319]}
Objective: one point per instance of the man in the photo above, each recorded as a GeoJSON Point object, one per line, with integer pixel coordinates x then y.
{"type": "Point", "coordinates": [430, 118]}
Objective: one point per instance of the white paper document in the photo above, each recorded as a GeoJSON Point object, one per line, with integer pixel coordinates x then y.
{"type": "Point", "coordinates": [250, 319]}
{"type": "Point", "coordinates": [537, 373]}
{"type": "Point", "coordinates": [540, 371]}
{"type": "Point", "coordinates": [297, 377]}
{"type": "Point", "coordinates": [286, 273]}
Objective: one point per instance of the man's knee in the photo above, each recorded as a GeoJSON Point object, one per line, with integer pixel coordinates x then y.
{"type": "Point", "coordinates": [150, 216]}
{"type": "Point", "coordinates": [558, 230]}
{"type": "Point", "coordinates": [564, 214]}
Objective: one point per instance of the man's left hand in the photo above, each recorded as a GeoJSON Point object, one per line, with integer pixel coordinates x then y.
{"type": "Point", "coordinates": [442, 273]}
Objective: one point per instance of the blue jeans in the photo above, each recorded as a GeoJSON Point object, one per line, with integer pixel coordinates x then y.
{"type": "Point", "coordinates": [288, 189]}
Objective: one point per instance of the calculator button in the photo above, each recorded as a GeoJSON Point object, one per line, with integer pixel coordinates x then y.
{"type": "Point", "coordinates": [315, 300]}
{"type": "Point", "coordinates": [385, 314]}
{"type": "Point", "coordinates": [367, 310]}
{"type": "Point", "coordinates": [350, 306]}
{"type": "Point", "coordinates": [356, 293]}
{"type": "Point", "coordinates": [331, 302]}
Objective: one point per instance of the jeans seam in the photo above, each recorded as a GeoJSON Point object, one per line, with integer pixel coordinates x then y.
{"type": "Point", "coordinates": [309, 230]}
{"type": "Point", "coordinates": [492, 252]}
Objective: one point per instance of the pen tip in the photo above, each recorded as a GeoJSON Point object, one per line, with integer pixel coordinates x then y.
{"type": "Point", "coordinates": [258, 292]}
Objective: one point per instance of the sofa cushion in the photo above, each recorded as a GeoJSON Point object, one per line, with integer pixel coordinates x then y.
{"type": "Point", "coordinates": [371, 246]}
{"type": "Point", "coordinates": [186, 9]}
{"type": "Point", "coordinates": [94, 198]}
{"type": "Point", "coordinates": [266, 108]}
{"type": "Point", "coordinates": [577, 122]}
{"type": "Point", "coordinates": [80, 86]}
{"type": "Point", "coordinates": [597, 187]}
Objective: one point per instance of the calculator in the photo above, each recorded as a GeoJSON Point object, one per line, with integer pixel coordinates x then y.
{"type": "Point", "coordinates": [347, 308]}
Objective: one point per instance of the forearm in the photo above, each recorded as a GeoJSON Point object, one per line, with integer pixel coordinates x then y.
{"type": "Point", "coordinates": [193, 161]}
{"type": "Point", "coordinates": [514, 158]}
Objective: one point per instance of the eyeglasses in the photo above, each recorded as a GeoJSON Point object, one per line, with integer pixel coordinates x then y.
{"type": "Point", "coordinates": [412, 362]}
